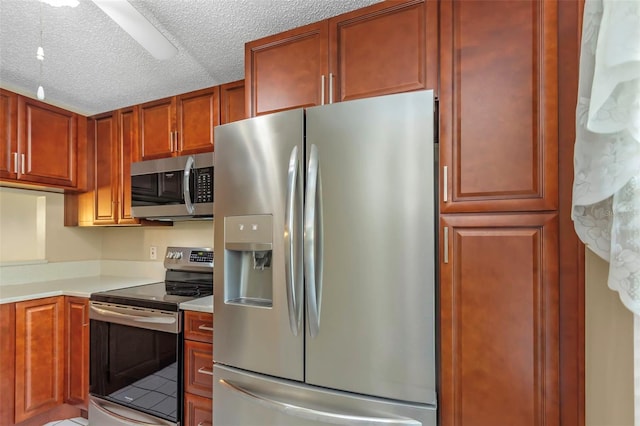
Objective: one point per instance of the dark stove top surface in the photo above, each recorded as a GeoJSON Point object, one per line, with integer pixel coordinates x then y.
{"type": "Point", "coordinates": [162, 295]}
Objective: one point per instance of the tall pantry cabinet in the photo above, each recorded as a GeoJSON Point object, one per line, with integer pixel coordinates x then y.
{"type": "Point", "coordinates": [506, 300]}
{"type": "Point", "coordinates": [499, 222]}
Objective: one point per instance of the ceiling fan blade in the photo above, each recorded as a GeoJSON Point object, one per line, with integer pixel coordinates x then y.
{"type": "Point", "coordinates": [138, 27]}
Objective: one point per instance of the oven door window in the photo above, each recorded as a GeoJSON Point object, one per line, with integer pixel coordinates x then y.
{"type": "Point", "coordinates": [136, 367]}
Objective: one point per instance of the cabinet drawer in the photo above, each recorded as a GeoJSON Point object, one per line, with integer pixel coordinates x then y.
{"type": "Point", "coordinates": [198, 411]}
{"type": "Point", "coordinates": [198, 326]}
{"type": "Point", "coordinates": [198, 368]}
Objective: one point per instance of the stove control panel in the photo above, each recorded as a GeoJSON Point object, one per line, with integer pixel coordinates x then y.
{"type": "Point", "coordinates": [189, 258]}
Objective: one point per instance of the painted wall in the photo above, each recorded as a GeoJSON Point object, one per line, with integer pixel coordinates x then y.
{"type": "Point", "coordinates": [609, 350]}
{"type": "Point", "coordinates": [32, 228]}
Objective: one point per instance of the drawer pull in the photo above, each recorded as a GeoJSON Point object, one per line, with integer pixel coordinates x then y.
{"type": "Point", "coordinates": [205, 328]}
{"type": "Point", "coordinates": [204, 424]}
{"type": "Point", "coordinates": [205, 370]}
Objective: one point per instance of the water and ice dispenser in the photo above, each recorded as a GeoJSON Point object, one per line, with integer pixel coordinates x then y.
{"type": "Point", "coordinates": [248, 250]}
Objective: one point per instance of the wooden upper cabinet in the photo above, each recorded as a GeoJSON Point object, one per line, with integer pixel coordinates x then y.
{"type": "Point", "coordinates": [8, 134]}
{"type": "Point", "coordinates": [386, 48]}
{"type": "Point", "coordinates": [106, 170]}
{"type": "Point", "coordinates": [40, 360]}
{"type": "Point", "coordinates": [232, 102]}
{"type": "Point", "coordinates": [128, 153]}
{"type": "Point", "coordinates": [287, 70]}
{"type": "Point", "coordinates": [157, 124]}
{"type": "Point", "coordinates": [498, 106]}
{"type": "Point", "coordinates": [47, 144]}
{"type": "Point", "coordinates": [197, 114]}
{"type": "Point", "coordinates": [499, 320]}
{"type": "Point", "coordinates": [179, 125]}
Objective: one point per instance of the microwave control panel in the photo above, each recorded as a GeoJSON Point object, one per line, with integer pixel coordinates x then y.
{"type": "Point", "coordinates": [204, 185]}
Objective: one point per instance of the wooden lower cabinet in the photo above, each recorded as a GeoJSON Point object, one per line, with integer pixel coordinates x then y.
{"type": "Point", "coordinates": [39, 356]}
{"type": "Point", "coordinates": [198, 410]}
{"type": "Point", "coordinates": [44, 361]}
{"type": "Point", "coordinates": [198, 368]}
{"type": "Point", "coordinates": [7, 362]}
{"type": "Point", "coordinates": [77, 351]}
{"type": "Point", "coordinates": [499, 321]}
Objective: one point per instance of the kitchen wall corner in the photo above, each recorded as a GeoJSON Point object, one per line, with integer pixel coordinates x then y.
{"type": "Point", "coordinates": [608, 351]}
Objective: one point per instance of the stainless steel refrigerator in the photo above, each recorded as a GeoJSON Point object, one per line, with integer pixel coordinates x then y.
{"type": "Point", "coordinates": [324, 273]}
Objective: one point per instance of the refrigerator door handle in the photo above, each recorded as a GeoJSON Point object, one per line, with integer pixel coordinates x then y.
{"type": "Point", "coordinates": [292, 247]}
{"type": "Point", "coordinates": [318, 415]}
{"type": "Point", "coordinates": [313, 241]}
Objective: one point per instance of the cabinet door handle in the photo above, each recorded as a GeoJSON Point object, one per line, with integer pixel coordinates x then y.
{"type": "Point", "coordinates": [15, 162]}
{"type": "Point", "coordinates": [205, 328]}
{"type": "Point", "coordinates": [322, 90]}
{"type": "Point", "coordinates": [175, 146]}
{"type": "Point", "coordinates": [22, 167]}
{"type": "Point", "coordinates": [445, 184]}
{"type": "Point", "coordinates": [205, 370]}
{"type": "Point", "coordinates": [445, 257]}
{"type": "Point", "coordinates": [330, 87]}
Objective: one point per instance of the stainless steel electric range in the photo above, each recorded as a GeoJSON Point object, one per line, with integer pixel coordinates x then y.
{"type": "Point", "coordinates": [136, 344]}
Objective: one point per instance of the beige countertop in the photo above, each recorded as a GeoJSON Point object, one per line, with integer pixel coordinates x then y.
{"type": "Point", "coordinates": [83, 287]}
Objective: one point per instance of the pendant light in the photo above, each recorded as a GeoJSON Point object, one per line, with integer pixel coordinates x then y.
{"type": "Point", "coordinates": [40, 57]}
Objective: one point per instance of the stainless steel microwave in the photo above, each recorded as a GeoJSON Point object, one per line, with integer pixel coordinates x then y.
{"type": "Point", "coordinates": [176, 188]}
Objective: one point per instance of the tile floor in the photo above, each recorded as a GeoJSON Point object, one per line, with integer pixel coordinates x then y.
{"type": "Point", "coordinates": [78, 421]}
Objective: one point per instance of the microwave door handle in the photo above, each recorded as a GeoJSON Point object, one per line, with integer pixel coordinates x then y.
{"type": "Point", "coordinates": [186, 185]}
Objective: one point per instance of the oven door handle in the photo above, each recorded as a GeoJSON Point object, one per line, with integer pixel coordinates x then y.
{"type": "Point", "coordinates": [136, 318]}
{"type": "Point", "coordinates": [103, 407]}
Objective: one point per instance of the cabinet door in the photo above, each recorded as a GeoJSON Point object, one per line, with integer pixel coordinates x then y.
{"type": "Point", "coordinates": [39, 351]}
{"type": "Point", "coordinates": [198, 112]}
{"type": "Point", "coordinates": [47, 143]}
{"type": "Point", "coordinates": [232, 102]}
{"type": "Point", "coordinates": [8, 135]}
{"type": "Point", "coordinates": [198, 410]}
{"type": "Point", "coordinates": [198, 368]}
{"type": "Point", "coordinates": [128, 144]}
{"type": "Point", "coordinates": [386, 48]}
{"type": "Point", "coordinates": [498, 105]}
{"type": "Point", "coordinates": [198, 326]}
{"type": "Point", "coordinates": [287, 70]}
{"type": "Point", "coordinates": [77, 351]}
{"type": "Point", "coordinates": [7, 362]}
{"type": "Point", "coordinates": [156, 129]}
{"type": "Point", "coordinates": [106, 170]}
{"type": "Point", "coordinates": [499, 320]}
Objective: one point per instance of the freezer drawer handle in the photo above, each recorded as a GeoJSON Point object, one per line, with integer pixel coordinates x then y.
{"type": "Point", "coordinates": [313, 242]}
{"type": "Point", "coordinates": [292, 246]}
{"type": "Point", "coordinates": [317, 415]}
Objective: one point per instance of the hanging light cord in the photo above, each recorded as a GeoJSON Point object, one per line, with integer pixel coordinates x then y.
{"type": "Point", "coordinates": [40, 57]}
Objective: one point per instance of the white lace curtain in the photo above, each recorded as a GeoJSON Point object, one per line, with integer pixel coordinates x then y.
{"type": "Point", "coordinates": [606, 191]}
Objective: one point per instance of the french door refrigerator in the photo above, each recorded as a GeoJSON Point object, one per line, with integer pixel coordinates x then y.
{"type": "Point", "coordinates": [325, 265]}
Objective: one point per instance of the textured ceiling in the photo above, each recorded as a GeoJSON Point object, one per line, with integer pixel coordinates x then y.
{"type": "Point", "coordinates": [91, 65]}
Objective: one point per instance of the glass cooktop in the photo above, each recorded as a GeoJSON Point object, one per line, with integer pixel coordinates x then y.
{"type": "Point", "coordinates": [163, 295]}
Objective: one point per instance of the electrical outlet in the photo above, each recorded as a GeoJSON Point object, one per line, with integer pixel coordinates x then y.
{"type": "Point", "coordinates": [153, 253]}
